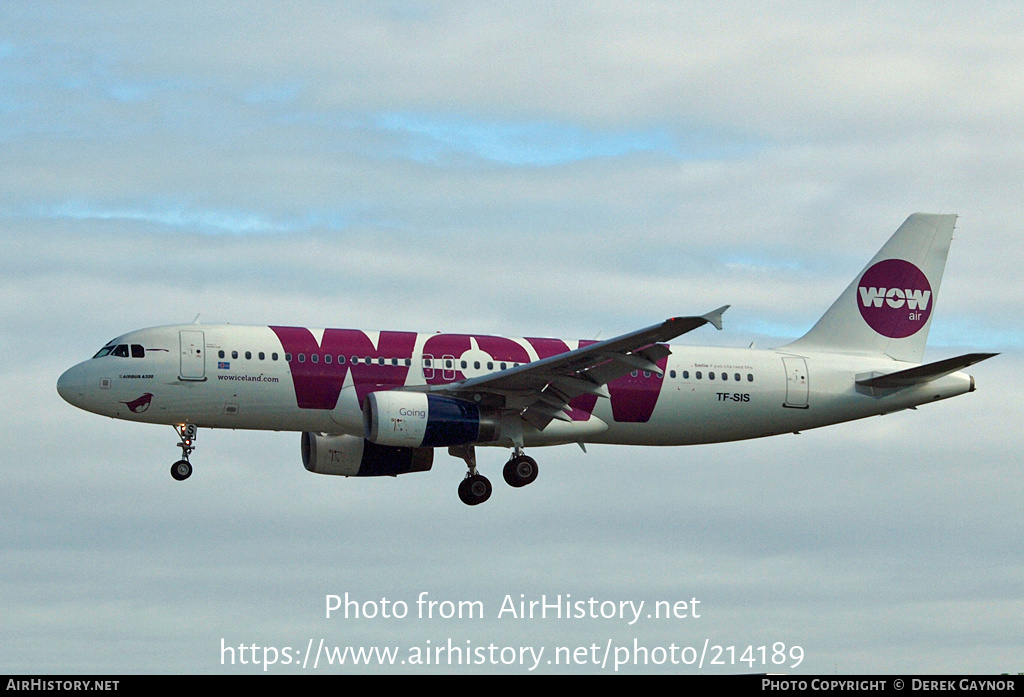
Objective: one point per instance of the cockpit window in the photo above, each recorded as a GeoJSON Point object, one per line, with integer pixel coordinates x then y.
{"type": "Point", "coordinates": [122, 351]}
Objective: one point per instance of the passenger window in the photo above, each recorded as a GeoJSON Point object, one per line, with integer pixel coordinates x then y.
{"type": "Point", "coordinates": [698, 375]}
{"type": "Point", "coordinates": [737, 376]}
{"type": "Point", "coordinates": [273, 356]}
{"type": "Point", "coordinates": [248, 355]}
{"type": "Point", "coordinates": [750, 377]}
{"type": "Point", "coordinates": [302, 358]}
{"type": "Point", "coordinates": [234, 354]}
{"type": "Point", "coordinates": [220, 354]}
{"type": "Point", "coordinates": [262, 356]}
{"type": "Point", "coordinates": [327, 358]}
{"type": "Point", "coordinates": [711, 376]}
{"type": "Point", "coordinates": [315, 357]}
{"type": "Point", "coordinates": [686, 375]}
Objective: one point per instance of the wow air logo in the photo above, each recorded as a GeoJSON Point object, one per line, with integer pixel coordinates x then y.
{"type": "Point", "coordinates": [894, 298]}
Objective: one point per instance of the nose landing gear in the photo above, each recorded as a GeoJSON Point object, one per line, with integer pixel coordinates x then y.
{"type": "Point", "coordinates": [182, 469]}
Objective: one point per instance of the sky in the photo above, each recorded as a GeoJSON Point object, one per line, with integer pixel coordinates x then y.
{"type": "Point", "coordinates": [569, 169]}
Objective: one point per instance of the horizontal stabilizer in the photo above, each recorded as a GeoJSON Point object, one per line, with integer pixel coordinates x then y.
{"type": "Point", "coordinates": [924, 373]}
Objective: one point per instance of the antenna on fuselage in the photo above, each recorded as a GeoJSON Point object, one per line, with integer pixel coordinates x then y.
{"type": "Point", "coordinates": [196, 320]}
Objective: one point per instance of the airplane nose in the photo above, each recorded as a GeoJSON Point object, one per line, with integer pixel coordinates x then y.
{"type": "Point", "coordinates": [71, 385]}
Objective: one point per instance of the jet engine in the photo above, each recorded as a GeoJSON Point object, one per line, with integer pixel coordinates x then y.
{"type": "Point", "coordinates": [417, 419]}
{"type": "Point", "coordinates": [351, 456]}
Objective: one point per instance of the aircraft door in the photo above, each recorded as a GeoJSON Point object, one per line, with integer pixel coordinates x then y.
{"type": "Point", "coordinates": [797, 384]}
{"type": "Point", "coordinates": [193, 355]}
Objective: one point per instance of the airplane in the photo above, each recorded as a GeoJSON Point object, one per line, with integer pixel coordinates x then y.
{"type": "Point", "coordinates": [376, 403]}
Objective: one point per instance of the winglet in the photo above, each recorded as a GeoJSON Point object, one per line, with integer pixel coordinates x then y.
{"type": "Point", "coordinates": [715, 316]}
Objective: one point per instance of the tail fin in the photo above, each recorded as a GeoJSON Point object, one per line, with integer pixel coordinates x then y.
{"type": "Point", "coordinates": [888, 307]}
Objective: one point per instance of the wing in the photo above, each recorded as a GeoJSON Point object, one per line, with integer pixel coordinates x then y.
{"type": "Point", "coordinates": [541, 391]}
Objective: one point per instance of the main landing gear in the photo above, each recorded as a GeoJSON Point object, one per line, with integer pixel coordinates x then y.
{"type": "Point", "coordinates": [182, 469]}
{"type": "Point", "coordinates": [475, 488]}
{"type": "Point", "coordinates": [520, 470]}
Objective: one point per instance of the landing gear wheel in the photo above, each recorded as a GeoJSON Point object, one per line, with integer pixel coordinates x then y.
{"type": "Point", "coordinates": [181, 470]}
{"type": "Point", "coordinates": [475, 489]}
{"type": "Point", "coordinates": [520, 471]}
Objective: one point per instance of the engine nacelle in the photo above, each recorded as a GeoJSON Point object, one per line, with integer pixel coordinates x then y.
{"type": "Point", "coordinates": [417, 419]}
{"type": "Point", "coordinates": [351, 456]}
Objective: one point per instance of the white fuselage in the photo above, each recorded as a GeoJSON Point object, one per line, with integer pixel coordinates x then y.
{"type": "Point", "coordinates": [312, 380]}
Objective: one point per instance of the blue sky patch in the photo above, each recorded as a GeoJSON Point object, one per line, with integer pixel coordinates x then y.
{"type": "Point", "coordinates": [543, 143]}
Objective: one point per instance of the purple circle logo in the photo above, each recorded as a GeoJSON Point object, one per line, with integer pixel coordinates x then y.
{"type": "Point", "coordinates": [894, 298]}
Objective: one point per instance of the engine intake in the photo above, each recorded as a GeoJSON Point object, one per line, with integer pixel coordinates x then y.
{"type": "Point", "coordinates": [351, 456]}
{"type": "Point", "coordinates": [416, 419]}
